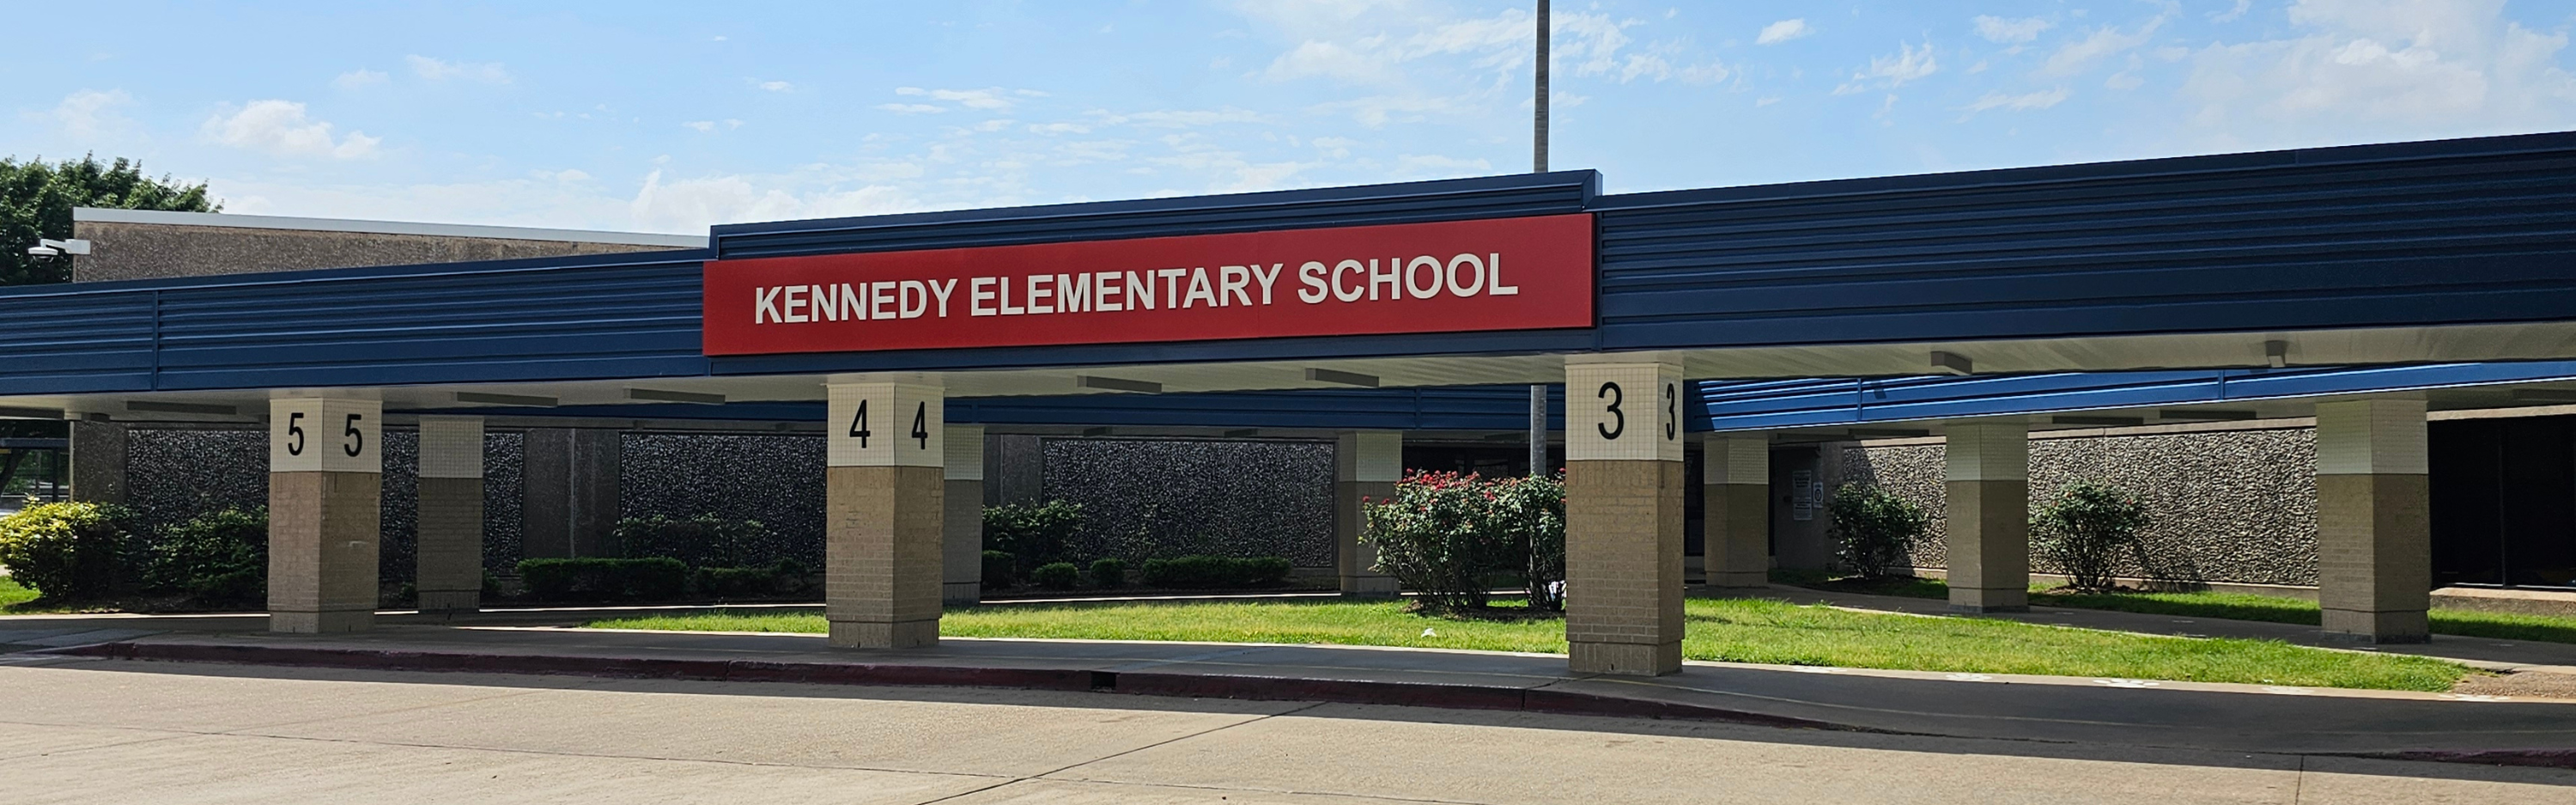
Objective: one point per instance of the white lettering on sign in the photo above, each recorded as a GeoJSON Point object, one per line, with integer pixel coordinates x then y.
{"type": "Point", "coordinates": [1344, 281]}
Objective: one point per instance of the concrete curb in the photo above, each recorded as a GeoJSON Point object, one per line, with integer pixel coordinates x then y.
{"type": "Point", "coordinates": [1146, 683]}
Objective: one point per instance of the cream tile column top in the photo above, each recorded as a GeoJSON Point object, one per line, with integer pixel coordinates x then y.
{"type": "Point", "coordinates": [1736, 459]}
{"type": "Point", "coordinates": [1988, 451]}
{"type": "Point", "coordinates": [451, 446]}
{"type": "Point", "coordinates": [964, 452]}
{"type": "Point", "coordinates": [1369, 456]}
{"type": "Point", "coordinates": [326, 434]}
{"type": "Point", "coordinates": [1623, 412]}
{"type": "Point", "coordinates": [2371, 437]}
{"type": "Point", "coordinates": [886, 425]}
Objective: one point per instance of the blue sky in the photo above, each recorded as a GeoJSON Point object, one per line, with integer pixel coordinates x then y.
{"type": "Point", "coordinates": [670, 117]}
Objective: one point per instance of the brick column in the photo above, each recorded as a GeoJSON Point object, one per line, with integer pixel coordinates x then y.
{"type": "Point", "coordinates": [325, 488]}
{"type": "Point", "coordinates": [962, 556]}
{"type": "Point", "coordinates": [98, 461]}
{"type": "Point", "coordinates": [1366, 464]}
{"type": "Point", "coordinates": [2374, 536]}
{"type": "Point", "coordinates": [1737, 486]}
{"type": "Point", "coordinates": [884, 513]}
{"type": "Point", "coordinates": [1623, 512]}
{"type": "Point", "coordinates": [450, 553]}
{"type": "Point", "coordinates": [1989, 505]}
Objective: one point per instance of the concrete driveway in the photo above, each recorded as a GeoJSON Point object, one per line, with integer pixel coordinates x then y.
{"type": "Point", "coordinates": [128, 732]}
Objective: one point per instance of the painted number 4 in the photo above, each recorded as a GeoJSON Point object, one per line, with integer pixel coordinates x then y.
{"type": "Point", "coordinates": [859, 425]}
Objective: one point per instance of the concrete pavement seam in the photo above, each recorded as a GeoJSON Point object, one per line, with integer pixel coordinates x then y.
{"type": "Point", "coordinates": [1129, 751]}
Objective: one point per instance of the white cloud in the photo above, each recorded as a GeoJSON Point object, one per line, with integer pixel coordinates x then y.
{"type": "Point", "coordinates": [1783, 31]}
{"type": "Point", "coordinates": [2018, 103]}
{"type": "Point", "coordinates": [711, 125]}
{"type": "Point", "coordinates": [280, 128]}
{"type": "Point", "coordinates": [440, 70]}
{"type": "Point", "coordinates": [360, 79]}
{"type": "Point", "coordinates": [2004, 31]}
{"type": "Point", "coordinates": [911, 108]}
{"type": "Point", "coordinates": [1181, 118]}
{"type": "Point", "coordinates": [89, 113]}
{"type": "Point", "coordinates": [1052, 129]}
{"type": "Point", "coordinates": [988, 98]}
{"type": "Point", "coordinates": [2365, 71]}
{"type": "Point", "coordinates": [777, 86]}
{"type": "Point", "coordinates": [691, 205]}
{"type": "Point", "coordinates": [2106, 41]}
{"type": "Point", "coordinates": [2233, 14]}
{"type": "Point", "coordinates": [1908, 63]}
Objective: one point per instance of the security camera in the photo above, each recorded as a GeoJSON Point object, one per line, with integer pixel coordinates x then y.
{"type": "Point", "coordinates": [49, 248]}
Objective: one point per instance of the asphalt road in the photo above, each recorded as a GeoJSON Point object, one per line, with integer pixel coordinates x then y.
{"type": "Point", "coordinates": [123, 732]}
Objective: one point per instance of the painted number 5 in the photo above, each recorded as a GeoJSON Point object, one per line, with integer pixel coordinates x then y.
{"type": "Point", "coordinates": [357, 441]}
{"type": "Point", "coordinates": [1611, 392]}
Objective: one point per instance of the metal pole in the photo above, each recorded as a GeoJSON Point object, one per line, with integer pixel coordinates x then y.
{"type": "Point", "coordinates": [1538, 164]}
{"type": "Point", "coordinates": [1538, 142]}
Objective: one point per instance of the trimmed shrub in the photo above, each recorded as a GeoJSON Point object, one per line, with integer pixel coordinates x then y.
{"type": "Point", "coordinates": [1215, 572]}
{"type": "Point", "coordinates": [787, 578]}
{"type": "Point", "coordinates": [1873, 528]}
{"type": "Point", "coordinates": [2087, 529]}
{"type": "Point", "coordinates": [1109, 574]}
{"type": "Point", "coordinates": [1449, 535]}
{"type": "Point", "coordinates": [1057, 576]}
{"type": "Point", "coordinates": [660, 578]}
{"type": "Point", "coordinates": [218, 558]}
{"type": "Point", "coordinates": [997, 569]}
{"type": "Point", "coordinates": [1034, 534]}
{"type": "Point", "coordinates": [702, 541]}
{"type": "Point", "coordinates": [66, 551]}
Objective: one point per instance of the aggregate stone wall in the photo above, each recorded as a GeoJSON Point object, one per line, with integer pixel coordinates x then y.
{"type": "Point", "coordinates": [1168, 497]}
{"type": "Point", "coordinates": [775, 479]}
{"type": "Point", "coordinates": [2228, 506]}
{"type": "Point", "coordinates": [173, 475]}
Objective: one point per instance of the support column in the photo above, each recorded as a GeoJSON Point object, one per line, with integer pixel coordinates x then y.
{"type": "Point", "coordinates": [2374, 533]}
{"type": "Point", "coordinates": [1623, 516]}
{"type": "Point", "coordinates": [1737, 486]}
{"type": "Point", "coordinates": [884, 513]}
{"type": "Point", "coordinates": [98, 461]}
{"type": "Point", "coordinates": [1989, 508]}
{"type": "Point", "coordinates": [450, 553]}
{"type": "Point", "coordinates": [962, 559]}
{"type": "Point", "coordinates": [1366, 464]}
{"type": "Point", "coordinates": [325, 487]}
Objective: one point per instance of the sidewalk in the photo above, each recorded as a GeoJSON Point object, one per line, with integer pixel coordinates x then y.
{"type": "Point", "coordinates": [2067, 709]}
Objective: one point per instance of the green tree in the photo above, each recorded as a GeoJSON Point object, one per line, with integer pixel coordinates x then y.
{"type": "Point", "coordinates": [36, 201]}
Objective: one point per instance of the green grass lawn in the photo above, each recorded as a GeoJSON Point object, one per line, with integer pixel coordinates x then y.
{"type": "Point", "coordinates": [2231, 606]}
{"type": "Point", "coordinates": [12, 594]}
{"type": "Point", "coordinates": [1736, 630]}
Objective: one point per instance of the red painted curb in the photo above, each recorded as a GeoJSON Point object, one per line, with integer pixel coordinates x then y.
{"type": "Point", "coordinates": [1147, 683]}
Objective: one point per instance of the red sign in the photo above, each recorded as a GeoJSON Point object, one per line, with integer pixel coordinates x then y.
{"type": "Point", "coordinates": [1494, 274]}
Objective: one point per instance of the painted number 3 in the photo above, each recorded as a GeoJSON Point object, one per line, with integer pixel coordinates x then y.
{"type": "Point", "coordinates": [1672, 410]}
{"type": "Point", "coordinates": [1611, 392]}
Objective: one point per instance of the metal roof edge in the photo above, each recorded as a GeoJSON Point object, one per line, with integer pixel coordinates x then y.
{"type": "Point", "coordinates": [1588, 180]}
{"type": "Point", "coordinates": [281, 222]}
{"type": "Point", "coordinates": [2418, 150]}
{"type": "Point", "coordinates": [608, 260]}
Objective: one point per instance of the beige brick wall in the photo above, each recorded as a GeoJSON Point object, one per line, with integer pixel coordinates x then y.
{"type": "Point", "coordinates": [450, 548]}
{"type": "Point", "coordinates": [2375, 556]}
{"type": "Point", "coordinates": [323, 529]}
{"type": "Point", "coordinates": [1989, 525]}
{"type": "Point", "coordinates": [962, 541]}
{"type": "Point", "coordinates": [883, 540]}
{"type": "Point", "coordinates": [1353, 556]}
{"type": "Point", "coordinates": [1623, 566]}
